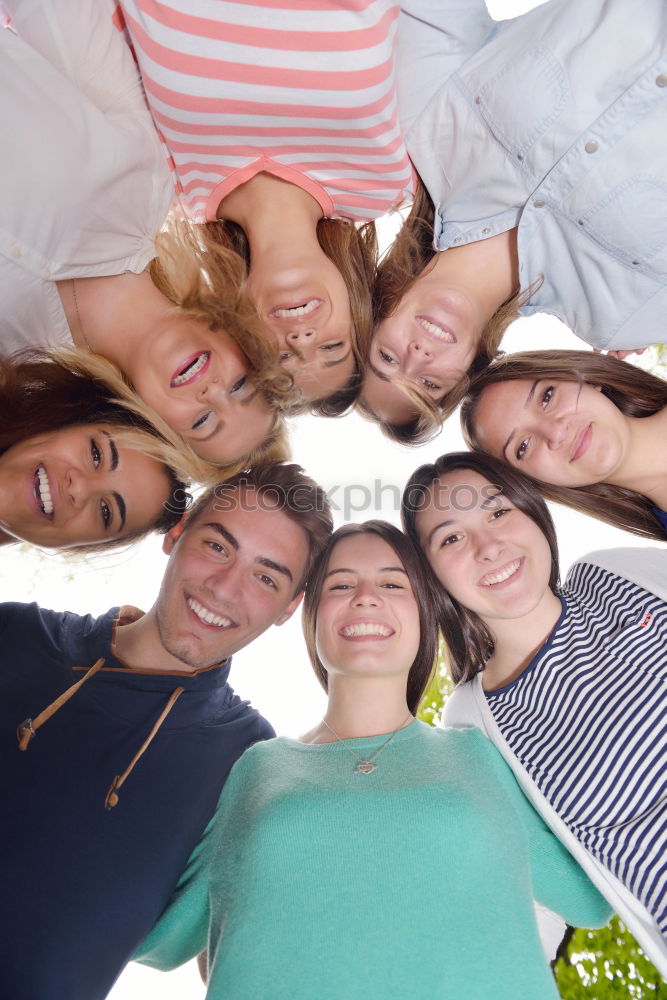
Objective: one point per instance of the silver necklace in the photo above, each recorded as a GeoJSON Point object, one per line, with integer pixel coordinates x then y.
{"type": "Point", "coordinates": [366, 764]}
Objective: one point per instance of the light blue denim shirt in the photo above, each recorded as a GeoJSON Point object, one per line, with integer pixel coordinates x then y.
{"type": "Point", "coordinates": [555, 122]}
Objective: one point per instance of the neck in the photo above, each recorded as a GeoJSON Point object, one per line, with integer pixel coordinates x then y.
{"type": "Point", "coordinates": [278, 218]}
{"type": "Point", "coordinates": [362, 706]}
{"type": "Point", "coordinates": [115, 315]}
{"type": "Point", "coordinates": [643, 467]}
{"type": "Point", "coordinates": [495, 258]}
{"type": "Point", "coordinates": [139, 646]}
{"type": "Point", "coordinates": [517, 640]}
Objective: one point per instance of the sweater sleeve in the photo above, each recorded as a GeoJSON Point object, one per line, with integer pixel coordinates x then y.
{"type": "Point", "coordinates": [559, 883]}
{"type": "Point", "coordinates": [182, 930]}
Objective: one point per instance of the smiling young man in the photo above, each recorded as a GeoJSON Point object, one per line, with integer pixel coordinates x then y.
{"type": "Point", "coordinates": [140, 731]}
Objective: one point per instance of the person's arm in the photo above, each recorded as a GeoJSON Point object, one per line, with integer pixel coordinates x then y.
{"type": "Point", "coordinates": [82, 40]}
{"type": "Point", "coordinates": [182, 931]}
{"type": "Point", "coordinates": [435, 37]}
{"type": "Point", "coordinates": [559, 882]}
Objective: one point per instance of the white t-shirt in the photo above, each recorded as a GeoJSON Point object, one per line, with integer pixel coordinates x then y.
{"type": "Point", "coordinates": [85, 183]}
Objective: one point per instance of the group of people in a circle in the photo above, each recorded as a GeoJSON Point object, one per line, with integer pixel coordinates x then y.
{"type": "Point", "coordinates": [188, 257]}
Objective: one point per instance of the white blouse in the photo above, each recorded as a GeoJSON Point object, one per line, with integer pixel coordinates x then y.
{"type": "Point", "coordinates": [85, 180]}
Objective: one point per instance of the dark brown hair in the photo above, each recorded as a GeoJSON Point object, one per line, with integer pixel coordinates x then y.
{"type": "Point", "coordinates": [39, 394]}
{"type": "Point", "coordinates": [407, 259]}
{"type": "Point", "coordinates": [287, 486]}
{"type": "Point", "coordinates": [468, 640]}
{"type": "Point", "coordinates": [636, 393]}
{"type": "Point", "coordinates": [352, 248]}
{"type": "Point", "coordinates": [421, 670]}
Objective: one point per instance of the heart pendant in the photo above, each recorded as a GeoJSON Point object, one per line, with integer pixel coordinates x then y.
{"type": "Point", "coordinates": [365, 767]}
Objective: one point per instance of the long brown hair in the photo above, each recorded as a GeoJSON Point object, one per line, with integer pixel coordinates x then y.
{"type": "Point", "coordinates": [221, 252]}
{"type": "Point", "coordinates": [636, 393]}
{"type": "Point", "coordinates": [406, 260]}
{"type": "Point", "coordinates": [42, 391]}
{"type": "Point", "coordinates": [469, 641]}
{"type": "Point", "coordinates": [424, 662]}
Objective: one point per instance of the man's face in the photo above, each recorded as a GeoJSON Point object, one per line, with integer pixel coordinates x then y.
{"type": "Point", "coordinates": [230, 576]}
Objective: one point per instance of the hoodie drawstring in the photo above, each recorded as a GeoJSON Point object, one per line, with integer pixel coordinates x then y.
{"type": "Point", "coordinates": [112, 798]}
{"type": "Point", "coordinates": [28, 728]}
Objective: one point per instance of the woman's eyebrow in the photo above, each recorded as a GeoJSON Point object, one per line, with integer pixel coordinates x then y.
{"type": "Point", "coordinates": [114, 452]}
{"type": "Point", "coordinates": [529, 398]}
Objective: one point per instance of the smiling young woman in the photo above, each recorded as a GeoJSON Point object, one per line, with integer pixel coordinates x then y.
{"type": "Point", "coordinates": [104, 476]}
{"type": "Point", "coordinates": [541, 193]}
{"type": "Point", "coordinates": [77, 251]}
{"type": "Point", "coordinates": [336, 830]}
{"type": "Point", "coordinates": [283, 132]}
{"type": "Point", "coordinates": [587, 428]}
{"type": "Point", "coordinates": [568, 681]}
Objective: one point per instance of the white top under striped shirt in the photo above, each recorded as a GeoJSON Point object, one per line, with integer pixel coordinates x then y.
{"type": "Point", "coordinates": [587, 721]}
{"type": "Point", "coordinates": [302, 89]}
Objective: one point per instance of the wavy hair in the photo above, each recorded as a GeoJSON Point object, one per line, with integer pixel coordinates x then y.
{"type": "Point", "coordinates": [405, 261]}
{"type": "Point", "coordinates": [423, 666]}
{"type": "Point", "coordinates": [45, 390]}
{"type": "Point", "coordinates": [636, 393]}
{"type": "Point", "coordinates": [353, 250]}
{"type": "Point", "coordinates": [469, 641]}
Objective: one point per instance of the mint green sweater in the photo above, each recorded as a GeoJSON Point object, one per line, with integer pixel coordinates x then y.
{"type": "Point", "coordinates": [313, 882]}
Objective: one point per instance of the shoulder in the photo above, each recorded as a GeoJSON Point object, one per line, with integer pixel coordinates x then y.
{"type": "Point", "coordinates": [645, 566]}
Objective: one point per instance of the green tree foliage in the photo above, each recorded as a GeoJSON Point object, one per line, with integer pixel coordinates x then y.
{"type": "Point", "coordinates": [607, 964]}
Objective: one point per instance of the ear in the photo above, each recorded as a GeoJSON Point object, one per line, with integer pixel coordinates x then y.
{"type": "Point", "coordinates": [172, 536]}
{"type": "Point", "coordinates": [290, 609]}
{"type": "Point", "coordinates": [598, 388]}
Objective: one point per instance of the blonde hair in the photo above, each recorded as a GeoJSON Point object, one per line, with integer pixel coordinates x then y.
{"type": "Point", "coordinates": [206, 279]}
{"type": "Point", "coordinates": [223, 254]}
{"type": "Point", "coordinates": [407, 259]}
{"type": "Point", "coordinates": [165, 445]}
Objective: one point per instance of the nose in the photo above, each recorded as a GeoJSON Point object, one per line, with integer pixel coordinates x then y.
{"type": "Point", "coordinates": [300, 335]}
{"type": "Point", "coordinates": [490, 546]}
{"type": "Point", "coordinates": [416, 356]}
{"type": "Point", "coordinates": [77, 487]}
{"type": "Point", "coordinates": [211, 391]}
{"type": "Point", "coordinates": [224, 582]}
{"type": "Point", "coordinates": [556, 432]}
{"type": "Point", "coordinates": [365, 596]}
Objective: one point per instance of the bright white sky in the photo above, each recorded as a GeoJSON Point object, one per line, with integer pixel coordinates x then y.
{"type": "Point", "coordinates": [348, 456]}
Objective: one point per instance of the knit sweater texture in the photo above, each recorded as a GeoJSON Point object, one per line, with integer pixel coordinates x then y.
{"type": "Point", "coordinates": [414, 880]}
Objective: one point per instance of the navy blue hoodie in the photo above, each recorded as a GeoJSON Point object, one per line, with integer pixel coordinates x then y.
{"type": "Point", "coordinates": [82, 885]}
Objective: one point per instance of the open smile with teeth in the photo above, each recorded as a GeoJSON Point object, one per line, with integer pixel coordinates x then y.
{"type": "Point", "coordinates": [191, 370]}
{"type": "Point", "coordinates": [296, 312]}
{"type": "Point", "coordinates": [361, 629]}
{"type": "Point", "coordinates": [43, 491]}
{"type": "Point", "coordinates": [207, 616]}
{"type": "Point", "coordinates": [502, 574]}
{"type": "Point", "coordinates": [435, 331]}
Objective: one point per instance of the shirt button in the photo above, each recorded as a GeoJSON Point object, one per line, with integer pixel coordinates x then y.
{"type": "Point", "coordinates": [519, 156]}
{"type": "Point", "coordinates": [16, 253]}
{"type": "Point", "coordinates": [46, 273]}
{"type": "Point", "coordinates": [661, 81]}
{"type": "Point", "coordinates": [538, 203]}
{"type": "Point", "coordinates": [478, 100]}
{"type": "Point", "coordinates": [591, 146]}
{"type": "Point", "coordinates": [486, 231]}
{"type": "Point", "coordinates": [458, 239]}
{"type": "Point", "coordinates": [580, 222]}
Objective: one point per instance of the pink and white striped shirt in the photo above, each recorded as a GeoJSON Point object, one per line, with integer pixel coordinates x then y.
{"type": "Point", "coordinates": [302, 89]}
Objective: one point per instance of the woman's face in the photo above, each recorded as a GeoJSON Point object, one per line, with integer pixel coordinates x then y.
{"type": "Point", "coordinates": [306, 308]}
{"type": "Point", "coordinates": [197, 380]}
{"type": "Point", "coordinates": [431, 339]}
{"type": "Point", "coordinates": [487, 554]}
{"type": "Point", "coordinates": [367, 617]}
{"type": "Point", "coordinates": [78, 486]}
{"type": "Point", "coordinates": [564, 433]}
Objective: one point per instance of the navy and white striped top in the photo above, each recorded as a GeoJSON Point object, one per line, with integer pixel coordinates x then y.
{"type": "Point", "coordinates": [587, 720]}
